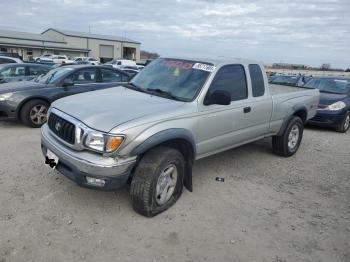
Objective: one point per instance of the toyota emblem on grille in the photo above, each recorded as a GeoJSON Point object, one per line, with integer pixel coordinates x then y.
{"type": "Point", "coordinates": [58, 126]}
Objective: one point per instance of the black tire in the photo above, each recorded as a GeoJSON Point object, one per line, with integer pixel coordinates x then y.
{"type": "Point", "coordinates": [145, 178]}
{"type": "Point", "coordinates": [345, 124]}
{"type": "Point", "coordinates": [280, 143]}
{"type": "Point", "coordinates": [27, 110]}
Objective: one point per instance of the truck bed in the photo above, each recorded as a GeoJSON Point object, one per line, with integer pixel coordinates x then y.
{"type": "Point", "coordinates": [282, 89]}
{"type": "Point", "coordinates": [287, 99]}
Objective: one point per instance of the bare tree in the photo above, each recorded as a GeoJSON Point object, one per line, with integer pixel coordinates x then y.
{"type": "Point", "coordinates": [148, 55]}
{"type": "Point", "coordinates": [325, 66]}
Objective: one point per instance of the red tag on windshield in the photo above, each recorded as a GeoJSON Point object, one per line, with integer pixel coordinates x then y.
{"type": "Point", "coordinates": [176, 63]}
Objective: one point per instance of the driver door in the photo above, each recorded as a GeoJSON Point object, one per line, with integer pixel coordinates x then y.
{"type": "Point", "coordinates": [221, 126]}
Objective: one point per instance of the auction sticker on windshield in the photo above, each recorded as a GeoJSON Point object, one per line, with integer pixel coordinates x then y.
{"type": "Point", "coordinates": [204, 67]}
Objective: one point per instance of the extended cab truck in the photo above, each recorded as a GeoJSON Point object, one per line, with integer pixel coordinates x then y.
{"type": "Point", "coordinates": [150, 131]}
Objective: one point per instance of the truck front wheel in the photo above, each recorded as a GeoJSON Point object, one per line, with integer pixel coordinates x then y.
{"type": "Point", "coordinates": [288, 143]}
{"type": "Point", "coordinates": [157, 181]}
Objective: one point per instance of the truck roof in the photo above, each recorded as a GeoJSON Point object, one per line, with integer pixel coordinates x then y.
{"type": "Point", "coordinates": [217, 60]}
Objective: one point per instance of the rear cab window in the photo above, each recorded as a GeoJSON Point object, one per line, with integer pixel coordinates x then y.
{"type": "Point", "coordinates": [257, 80]}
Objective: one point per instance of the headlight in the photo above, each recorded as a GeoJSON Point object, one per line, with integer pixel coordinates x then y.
{"type": "Point", "coordinates": [102, 142]}
{"type": "Point", "coordinates": [336, 106]}
{"type": "Point", "coordinates": [6, 96]}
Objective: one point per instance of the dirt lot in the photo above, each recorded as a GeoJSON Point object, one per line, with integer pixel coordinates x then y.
{"type": "Point", "coordinates": [268, 209]}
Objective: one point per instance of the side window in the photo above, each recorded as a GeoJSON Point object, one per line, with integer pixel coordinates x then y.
{"type": "Point", "coordinates": [109, 76]}
{"type": "Point", "coordinates": [231, 78]}
{"type": "Point", "coordinates": [5, 72]}
{"type": "Point", "coordinates": [36, 70]}
{"type": "Point", "coordinates": [257, 79]}
{"type": "Point", "coordinates": [13, 71]}
{"type": "Point", "coordinates": [20, 71]}
{"type": "Point", "coordinates": [84, 76]}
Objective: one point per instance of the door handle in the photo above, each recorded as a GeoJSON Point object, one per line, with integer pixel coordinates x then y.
{"type": "Point", "coordinates": [247, 109]}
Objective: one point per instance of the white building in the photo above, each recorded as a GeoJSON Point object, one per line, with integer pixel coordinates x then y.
{"type": "Point", "coordinates": [71, 43]}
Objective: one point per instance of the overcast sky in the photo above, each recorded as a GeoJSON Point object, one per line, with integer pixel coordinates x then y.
{"type": "Point", "coordinates": [296, 31]}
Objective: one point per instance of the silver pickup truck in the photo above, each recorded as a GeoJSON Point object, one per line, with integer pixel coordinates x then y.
{"type": "Point", "coordinates": [149, 132]}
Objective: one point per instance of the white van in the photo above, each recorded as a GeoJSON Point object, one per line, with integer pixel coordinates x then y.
{"type": "Point", "coordinates": [121, 63]}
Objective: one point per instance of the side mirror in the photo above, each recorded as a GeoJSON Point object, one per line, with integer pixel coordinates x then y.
{"type": "Point", "coordinates": [218, 97]}
{"type": "Point", "coordinates": [67, 82]}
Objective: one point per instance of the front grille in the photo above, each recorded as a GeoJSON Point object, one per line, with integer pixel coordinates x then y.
{"type": "Point", "coordinates": [62, 128]}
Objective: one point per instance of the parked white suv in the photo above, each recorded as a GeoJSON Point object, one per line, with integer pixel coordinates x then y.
{"type": "Point", "coordinates": [57, 59]}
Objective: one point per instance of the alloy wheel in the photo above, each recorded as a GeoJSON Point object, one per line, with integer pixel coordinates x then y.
{"type": "Point", "coordinates": [293, 137]}
{"type": "Point", "coordinates": [38, 114]}
{"type": "Point", "coordinates": [166, 184]}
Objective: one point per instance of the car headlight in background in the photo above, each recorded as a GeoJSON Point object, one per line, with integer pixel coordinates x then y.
{"type": "Point", "coordinates": [336, 106]}
{"type": "Point", "coordinates": [6, 96]}
{"type": "Point", "coordinates": [102, 142]}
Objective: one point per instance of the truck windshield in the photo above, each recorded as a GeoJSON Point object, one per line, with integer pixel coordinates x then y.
{"type": "Point", "coordinates": [173, 78]}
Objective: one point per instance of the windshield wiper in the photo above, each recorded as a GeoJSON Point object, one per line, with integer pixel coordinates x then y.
{"type": "Point", "coordinates": [134, 87]}
{"type": "Point", "coordinates": [165, 93]}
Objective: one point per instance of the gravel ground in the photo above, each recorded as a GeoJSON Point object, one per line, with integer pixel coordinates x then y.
{"type": "Point", "coordinates": [268, 208]}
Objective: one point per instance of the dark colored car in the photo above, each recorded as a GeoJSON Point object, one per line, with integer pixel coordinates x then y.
{"type": "Point", "coordinates": [28, 101]}
{"type": "Point", "coordinates": [334, 106]}
{"type": "Point", "coordinates": [272, 77]}
{"type": "Point", "coordinates": [21, 72]}
{"type": "Point", "coordinates": [290, 80]}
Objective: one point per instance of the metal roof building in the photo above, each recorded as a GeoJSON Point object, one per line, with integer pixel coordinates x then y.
{"type": "Point", "coordinates": [71, 43]}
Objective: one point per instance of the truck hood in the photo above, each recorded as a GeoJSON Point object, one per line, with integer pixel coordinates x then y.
{"type": "Point", "coordinates": [19, 86]}
{"type": "Point", "coordinates": [105, 109]}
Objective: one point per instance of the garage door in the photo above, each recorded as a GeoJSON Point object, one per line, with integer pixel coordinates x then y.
{"type": "Point", "coordinates": [106, 51]}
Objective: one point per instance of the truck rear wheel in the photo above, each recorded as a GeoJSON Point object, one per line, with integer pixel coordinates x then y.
{"type": "Point", "coordinates": [158, 181]}
{"type": "Point", "coordinates": [288, 143]}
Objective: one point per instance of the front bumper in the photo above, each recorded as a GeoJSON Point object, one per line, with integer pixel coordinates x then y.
{"type": "Point", "coordinates": [328, 118]}
{"type": "Point", "coordinates": [7, 111]}
{"type": "Point", "coordinates": [77, 165]}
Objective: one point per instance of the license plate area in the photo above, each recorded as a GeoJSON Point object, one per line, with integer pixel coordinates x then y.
{"type": "Point", "coordinates": [51, 159]}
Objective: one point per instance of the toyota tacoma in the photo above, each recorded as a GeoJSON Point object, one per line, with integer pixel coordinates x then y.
{"type": "Point", "coordinates": [148, 133]}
